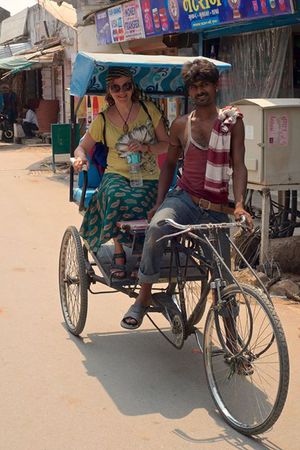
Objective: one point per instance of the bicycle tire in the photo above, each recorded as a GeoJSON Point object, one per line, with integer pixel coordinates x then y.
{"type": "Point", "coordinates": [191, 291]}
{"type": "Point", "coordinates": [234, 391]}
{"type": "Point", "coordinates": [73, 281]}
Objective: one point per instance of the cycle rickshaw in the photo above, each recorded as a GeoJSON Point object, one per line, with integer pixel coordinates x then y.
{"type": "Point", "coordinates": [244, 348]}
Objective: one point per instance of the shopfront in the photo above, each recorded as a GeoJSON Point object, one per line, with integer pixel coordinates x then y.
{"type": "Point", "coordinates": [259, 38]}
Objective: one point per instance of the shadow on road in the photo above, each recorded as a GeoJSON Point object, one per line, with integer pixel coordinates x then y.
{"type": "Point", "coordinates": [143, 375]}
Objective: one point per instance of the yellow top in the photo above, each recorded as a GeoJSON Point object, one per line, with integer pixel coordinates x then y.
{"type": "Point", "coordinates": [141, 129]}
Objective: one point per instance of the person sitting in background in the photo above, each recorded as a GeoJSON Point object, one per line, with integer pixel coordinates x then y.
{"type": "Point", "coordinates": [30, 122]}
{"type": "Point", "coordinates": [10, 103]}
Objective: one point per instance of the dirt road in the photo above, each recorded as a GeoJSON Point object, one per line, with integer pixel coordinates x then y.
{"type": "Point", "coordinates": [111, 389]}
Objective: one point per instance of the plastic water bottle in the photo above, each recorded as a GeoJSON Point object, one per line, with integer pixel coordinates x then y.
{"type": "Point", "coordinates": [135, 172]}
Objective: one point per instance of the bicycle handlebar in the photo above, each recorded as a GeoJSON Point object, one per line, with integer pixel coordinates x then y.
{"type": "Point", "coordinates": [202, 226]}
{"type": "Point", "coordinates": [84, 186]}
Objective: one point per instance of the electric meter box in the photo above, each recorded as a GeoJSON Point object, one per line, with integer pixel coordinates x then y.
{"type": "Point", "coordinates": [272, 140]}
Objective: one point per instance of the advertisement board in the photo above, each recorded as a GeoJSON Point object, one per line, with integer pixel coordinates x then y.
{"type": "Point", "coordinates": [171, 16]}
{"type": "Point", "coordinates": [144, 18]}
{"type": "Point", "coordinates": [133, 22]}
{"type": "Point", "coordinates": [116, 23]}
{"type": "Point", "coordinates": [103, 28]}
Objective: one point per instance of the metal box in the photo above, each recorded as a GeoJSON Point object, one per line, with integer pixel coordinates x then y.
{"type": "Point", "coordinates": [272, 140]}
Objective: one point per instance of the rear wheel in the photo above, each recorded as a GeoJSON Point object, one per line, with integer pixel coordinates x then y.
{"type": "Point", "coordinates": [246, 360]}
{"type": "Point", "coordinates": [73, 281]}
{"type": "Point", "coordinates": [192, 284]}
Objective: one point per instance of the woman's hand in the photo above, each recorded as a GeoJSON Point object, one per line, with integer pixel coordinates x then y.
{"type": "Point", "coordinates": [136, 146]}
{"type": "Point", "coordinates": [80, 159]}
{"type": "Point", "coordinates": [79, 164]}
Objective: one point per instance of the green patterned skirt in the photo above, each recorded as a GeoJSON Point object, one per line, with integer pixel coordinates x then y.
{"type": "Point", "coordinates": [113, 201]}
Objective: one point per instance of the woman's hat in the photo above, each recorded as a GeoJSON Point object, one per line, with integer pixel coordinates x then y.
{"type": "Point", "coordinates": [117, 72]}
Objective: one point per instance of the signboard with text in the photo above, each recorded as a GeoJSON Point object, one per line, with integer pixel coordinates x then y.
{"type": "Point", "coordinates": [116, 23]}
{"type": "Point", "coordinates": [133, 22]}
{"type": "Point", "coordinates": [171, 16]}
{"type": "Point", "coordinates": [145, 18]}
{"type": "Point", "coordinates": [103, 28]}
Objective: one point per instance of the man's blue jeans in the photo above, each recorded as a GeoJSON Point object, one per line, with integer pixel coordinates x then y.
{"type": "Point", "coordinates": [178, 206]}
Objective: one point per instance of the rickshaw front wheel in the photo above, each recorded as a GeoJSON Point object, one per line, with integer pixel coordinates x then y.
{"type": "Point", "coordinates": [73, 281]}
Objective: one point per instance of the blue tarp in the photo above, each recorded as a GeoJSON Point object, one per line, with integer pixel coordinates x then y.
{"type": "Point", "coordinates": [15, 63]}
{"type": "Point", "coordinates": [154, 74]}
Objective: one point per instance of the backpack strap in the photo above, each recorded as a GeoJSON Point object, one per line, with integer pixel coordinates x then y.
{"type": "Point", "coordinates": [143, 105]}
{"type": "Point", "coordinates": [104, 128]}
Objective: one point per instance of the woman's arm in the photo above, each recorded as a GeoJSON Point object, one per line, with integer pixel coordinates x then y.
{"type": "Point", "coordinates": [160, 147]}
{"type": "Point", "coordinates": [80, 153]}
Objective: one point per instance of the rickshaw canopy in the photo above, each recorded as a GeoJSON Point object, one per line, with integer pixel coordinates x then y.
{"type": "Point", "coordinates": [154, 74]}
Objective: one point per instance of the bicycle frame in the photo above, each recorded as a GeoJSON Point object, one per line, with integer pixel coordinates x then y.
{"type": "Point", "coordinates": [210, 268]}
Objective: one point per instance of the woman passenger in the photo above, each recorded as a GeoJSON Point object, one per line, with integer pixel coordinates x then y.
{"type": "Point", "coordinates": [128, 128]}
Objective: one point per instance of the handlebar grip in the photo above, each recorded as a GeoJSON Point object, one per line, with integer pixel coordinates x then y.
{"type": "Point", "coordinates": [84, 188]}
{"type": "Point", "coordinates": [161, 223]}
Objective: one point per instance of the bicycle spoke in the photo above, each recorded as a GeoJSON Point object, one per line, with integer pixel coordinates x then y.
{"type": "Point", "coordinates": [253, 368]}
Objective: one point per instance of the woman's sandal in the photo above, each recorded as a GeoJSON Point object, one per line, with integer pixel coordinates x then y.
{"type": "Point", "coordinates": [118, 270]}
{"type": "Point", "coordinates": [135, 312]}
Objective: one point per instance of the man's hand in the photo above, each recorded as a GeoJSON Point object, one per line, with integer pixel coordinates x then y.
{"type": "Point", "coordinates": [239, 212]}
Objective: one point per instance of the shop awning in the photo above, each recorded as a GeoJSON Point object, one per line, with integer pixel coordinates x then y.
{"type": "Point", "coordinates": [45, 56]}
{"type": "Point", "coordinates": [15, 63]}
{"type": "Point", "coordinates": [18, 63]}
{"type": "Point", "coordinates": [154, 74]}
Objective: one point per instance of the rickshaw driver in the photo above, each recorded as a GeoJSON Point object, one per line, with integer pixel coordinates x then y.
{"type": "Point", "coordinates": [210, 140]}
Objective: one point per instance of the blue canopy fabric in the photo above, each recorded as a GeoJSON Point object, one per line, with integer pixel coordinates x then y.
{"type": "Point", "coordinates": [15, 63]}
{"type": "Point", "coordinates": [153, 74]}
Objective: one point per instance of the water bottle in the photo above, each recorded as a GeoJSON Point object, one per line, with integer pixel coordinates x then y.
{"type": "Point", "coordinates": [135, 172]}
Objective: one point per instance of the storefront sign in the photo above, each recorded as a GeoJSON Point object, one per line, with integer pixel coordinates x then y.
{"type": "Point", "coordinates": [172, 16]}
{"type": "Point", "coordinates": [120, 23]}
{"type": "Point", "coordinates": [133, 22]}
{"type": "Point", "coordinates": [103, 28]}
{"type": "Point", "coordinates": [116, 22]}
{"type": "Point", "coordinates": [168, 16]}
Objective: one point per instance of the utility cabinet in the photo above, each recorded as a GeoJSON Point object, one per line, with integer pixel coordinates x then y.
{"type": "Point", "coordinates": [272, 140]}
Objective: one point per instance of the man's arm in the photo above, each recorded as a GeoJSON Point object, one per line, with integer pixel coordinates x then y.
{"type": "Point", "coordinates": [170, 164]}
{"type": "Point", "coordinates": [240, 173]}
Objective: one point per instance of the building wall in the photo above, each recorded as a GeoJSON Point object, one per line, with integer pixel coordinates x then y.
{"type": "Point", "coordinates": [55, 78]}
{"type": "Point", "coordinates": [87, 41]}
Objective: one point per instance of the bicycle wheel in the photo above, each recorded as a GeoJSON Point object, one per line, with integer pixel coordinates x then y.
{"type": "Point", "coordinates": [192, 288]}
{"type": "Point", "coordinates": [248, 378]}
{"type": "Point", "coordinates": [73, 282]}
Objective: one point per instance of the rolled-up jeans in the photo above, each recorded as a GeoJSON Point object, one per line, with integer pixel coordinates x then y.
{"type": "Point", "coordinates": [178, 206]}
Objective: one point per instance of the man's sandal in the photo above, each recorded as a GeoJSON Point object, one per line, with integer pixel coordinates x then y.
{"type": "Point", "coordinates": [135, 312]}
{"type": "Point", "coordinates": [118, 270]}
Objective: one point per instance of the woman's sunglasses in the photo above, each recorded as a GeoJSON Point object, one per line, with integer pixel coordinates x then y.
{"type": "Point", "coordinates": [126, 87]}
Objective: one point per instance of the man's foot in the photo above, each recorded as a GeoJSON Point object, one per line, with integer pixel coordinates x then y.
{"type": "Point", "coordinates": [134, 317]}
{"type": "Point", "coordinates": [118, 267]}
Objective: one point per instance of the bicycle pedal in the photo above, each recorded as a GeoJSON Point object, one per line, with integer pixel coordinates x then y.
{"type": "Point", "coordinates": [168, 308]}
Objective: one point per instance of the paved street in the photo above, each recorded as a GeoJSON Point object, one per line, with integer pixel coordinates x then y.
{"type": "Point", "coordinates": [111, 389]}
